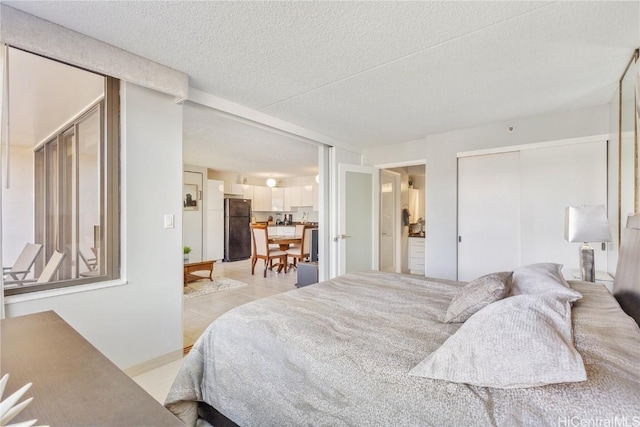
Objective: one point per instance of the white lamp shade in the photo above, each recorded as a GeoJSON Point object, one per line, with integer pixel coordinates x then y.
{"type": "Point", "coordinates": [586, 224]}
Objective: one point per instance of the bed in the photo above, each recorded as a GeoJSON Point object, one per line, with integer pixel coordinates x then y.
{"type": "Point", "coordinates": [353, 351]}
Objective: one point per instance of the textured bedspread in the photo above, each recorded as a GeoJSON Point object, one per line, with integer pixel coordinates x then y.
{"type": "Point", "coordinates": [338, 354]}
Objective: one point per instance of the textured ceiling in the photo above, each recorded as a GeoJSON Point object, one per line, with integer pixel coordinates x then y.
{"type": "Point", "coordinates": [372, 73]}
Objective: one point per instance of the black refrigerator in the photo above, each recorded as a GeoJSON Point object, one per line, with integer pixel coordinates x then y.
{"type": "Point", "coordinates": [237, 234]}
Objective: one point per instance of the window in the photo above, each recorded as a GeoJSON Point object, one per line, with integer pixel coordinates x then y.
{"type": "Point", "coordinates": [63, 163]}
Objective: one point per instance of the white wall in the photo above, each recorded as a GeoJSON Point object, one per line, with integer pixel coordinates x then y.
{"type": "Point", "coordinates": [142, 319]}
{"type": "Point", "coordinates": [440, 151]}
{"type": "Point", "coordinates": [18, 209]}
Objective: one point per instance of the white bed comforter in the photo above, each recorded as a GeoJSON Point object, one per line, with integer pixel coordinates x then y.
{"type": "Point", "coordinates": [338, 353]}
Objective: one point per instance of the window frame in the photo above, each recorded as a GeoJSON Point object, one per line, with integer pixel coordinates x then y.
{"type": "Point", "coordinates": [109, 253]}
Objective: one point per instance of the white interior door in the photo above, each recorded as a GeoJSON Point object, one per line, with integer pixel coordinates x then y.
{"type": "Point", "coordinates": [488, 214]}
{"type": "Point", "coordinates": [511, 206]}
{"type": "Point", "coordinates": [358, 218]}
{"type": "Point", "coordinates": [389, 224]}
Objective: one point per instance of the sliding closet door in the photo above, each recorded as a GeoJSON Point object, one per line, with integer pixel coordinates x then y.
{"type": "Point", "coordinates": [488, 214]}
{"type": "Point", "coordinates": [511, 206]}
{"type": "Point", "coordinates": [551, 179]}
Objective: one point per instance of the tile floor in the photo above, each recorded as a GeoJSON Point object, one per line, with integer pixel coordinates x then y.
{"type": "Point", "coordinates": [199, 312]}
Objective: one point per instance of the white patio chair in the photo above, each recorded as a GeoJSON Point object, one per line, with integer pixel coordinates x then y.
{"type": "Point", "coordinates": [23, 264]}
{"type": "Point", "coordinates": [47, 273]}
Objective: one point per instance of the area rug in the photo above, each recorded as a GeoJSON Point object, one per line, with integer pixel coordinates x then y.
{"type": "Point", "coordinates": [203, 287]}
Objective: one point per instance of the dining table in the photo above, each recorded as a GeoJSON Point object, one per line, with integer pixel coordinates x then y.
{"type": "Point", "coordinates": [284, 242]}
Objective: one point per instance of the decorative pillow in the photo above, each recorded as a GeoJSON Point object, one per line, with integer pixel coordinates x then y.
{"type": "Point", "coordinates": [518, 342]}
{"type": "Point", "coordinates": [477, 294]}
{"type": "Point", "coordinates": [541, 278]}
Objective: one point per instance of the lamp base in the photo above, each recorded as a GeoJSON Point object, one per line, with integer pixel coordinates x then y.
{"type": "Point", "coordinates": [587, 263]}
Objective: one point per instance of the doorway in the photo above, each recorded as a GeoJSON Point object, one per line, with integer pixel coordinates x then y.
{"type": "Point", "coordinates": [409, 206]}
{"type": "Point", "coordinates": [390, 222]}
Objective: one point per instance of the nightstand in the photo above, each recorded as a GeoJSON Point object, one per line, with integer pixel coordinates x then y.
{"type": "Point", "coordinates": [601, 277]}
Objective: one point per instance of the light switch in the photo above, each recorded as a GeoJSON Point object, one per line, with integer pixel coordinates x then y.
{"type": "Point", "coordinates": [168, 221]}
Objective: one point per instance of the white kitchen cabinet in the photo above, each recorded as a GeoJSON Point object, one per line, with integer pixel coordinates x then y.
{"type": "Point", "coordinates": [214, 246]}
{"type": "Point", "coordinates": [261, 201]}
{"type": "Point", "coordinates": [247, 191]}
{"type": "Point", "coordinates": [215, 195]}
{"type": "Point", "coordinates": [316, 202]}
{"type": "Point", "coordinates": [416, 255]}
{"type": "Point", "coordinates": [232, 188]}
{"type": "Point", "coordinates": [288, 230]}
{"type": "Point", "coordinates": [292, 197]}
{"type": "Point", "coordinates": [282, 230]}
{"type": "Point", "coordinates": [277, 199]}
{"type": "Point", "coordinates": [307, 198]}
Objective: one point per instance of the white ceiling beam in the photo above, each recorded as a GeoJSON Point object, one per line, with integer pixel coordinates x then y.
{"type": "Point", "coordinates": [249, 115]}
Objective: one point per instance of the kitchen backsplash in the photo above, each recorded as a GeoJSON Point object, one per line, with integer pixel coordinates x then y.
{"type": "Point", "coordinates": [312, 216]}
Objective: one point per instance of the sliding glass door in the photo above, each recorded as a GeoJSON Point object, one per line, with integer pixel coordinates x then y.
{"type": "Point", "coordinates": [68, 214]}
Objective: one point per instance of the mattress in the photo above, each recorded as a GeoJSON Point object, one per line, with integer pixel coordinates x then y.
{"type": "Point", "coordinates": [338, 353]}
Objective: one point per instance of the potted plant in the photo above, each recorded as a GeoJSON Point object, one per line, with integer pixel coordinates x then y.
{"type": "Point", "coordinates": [186, 251]}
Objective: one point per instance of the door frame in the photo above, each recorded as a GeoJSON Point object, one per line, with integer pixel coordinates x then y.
{"type": "Point", "coordinates": [397, 226]}
{"type": "Point", "coordinates": [417, 162]}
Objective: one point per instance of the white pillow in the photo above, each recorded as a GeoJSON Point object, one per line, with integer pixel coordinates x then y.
{"type": "Point", "coordinates": [541, 278]}
{"type": "Point", "coordinates": [518, 342]}
{"type": "Point", "coordinates": [477, 294]}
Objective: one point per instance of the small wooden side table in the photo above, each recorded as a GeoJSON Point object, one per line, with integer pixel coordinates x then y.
{"type": "Point", "coordinates": [197, 266]}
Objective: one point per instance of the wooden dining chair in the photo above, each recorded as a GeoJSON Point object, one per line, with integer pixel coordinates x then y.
{"type": "Point", "coordinates": [300, 252]}
{"type": "Point", "coordinates": [261, 250]}
{"type": "Point", "coordinates": [298, 233]}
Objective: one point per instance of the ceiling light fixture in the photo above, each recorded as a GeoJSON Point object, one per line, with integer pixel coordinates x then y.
{"type": "Point", "coordinates": [271, 182]}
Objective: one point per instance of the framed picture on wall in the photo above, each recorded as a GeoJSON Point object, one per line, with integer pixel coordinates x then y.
{"type": "Point", "coordinates": [190, 197]}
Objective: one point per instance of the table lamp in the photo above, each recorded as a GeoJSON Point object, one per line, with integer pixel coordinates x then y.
{"type": "Point", "coordinates": [586, 224]}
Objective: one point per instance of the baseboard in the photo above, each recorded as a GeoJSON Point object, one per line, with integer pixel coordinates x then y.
{"type": "Point", "coordinates": [153, 363]}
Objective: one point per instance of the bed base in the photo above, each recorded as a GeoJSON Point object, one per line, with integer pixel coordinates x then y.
{"type": "Point", "coordinates": [213, 417]}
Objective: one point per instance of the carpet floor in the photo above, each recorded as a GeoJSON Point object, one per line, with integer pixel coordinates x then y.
{"type": "Point", "coordinates": [205, 286]}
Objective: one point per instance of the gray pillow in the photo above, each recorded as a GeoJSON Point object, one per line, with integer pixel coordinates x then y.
{"type": "Point", "coordinates": [541, 278]}
{"type": "Point", "coordinates": [477, 294]}
{"type": "Point", "coordinates": [518, 342]}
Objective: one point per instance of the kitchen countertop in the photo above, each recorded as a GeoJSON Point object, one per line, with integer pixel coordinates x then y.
{"type": "Point", "coordinates": [308, 224]}
{"type": "Point", "coordinates": [418, 235]}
